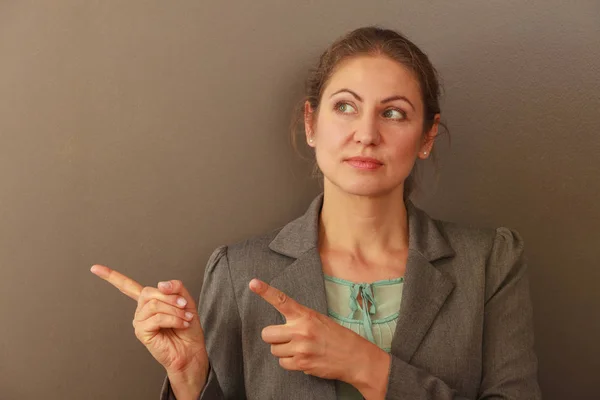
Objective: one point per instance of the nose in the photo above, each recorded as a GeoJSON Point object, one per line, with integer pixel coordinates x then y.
{"type": "Point", "coordinates": [367, 131]}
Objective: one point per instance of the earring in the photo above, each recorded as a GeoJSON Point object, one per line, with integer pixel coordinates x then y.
{"type": "Point", "coordinates": [424, 152]}
{"type": "Point", "coordinates": [310, 140]}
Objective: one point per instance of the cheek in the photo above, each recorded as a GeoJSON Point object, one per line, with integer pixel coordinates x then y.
{"type": "Point", "coordinates": [405, 148]}
{"type": "Point", "coordinates": [401, 148]}
{"type": "Point", "coordinates": [332, 135]}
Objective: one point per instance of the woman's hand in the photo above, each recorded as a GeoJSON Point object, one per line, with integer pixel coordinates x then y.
{"type": "Point", "coordinates": [166, 322]}
{"type": "Point", "coordinates": [314, 343]}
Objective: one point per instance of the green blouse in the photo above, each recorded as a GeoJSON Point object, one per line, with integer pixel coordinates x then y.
{"type": "Point", "coordinates": [376, 321]}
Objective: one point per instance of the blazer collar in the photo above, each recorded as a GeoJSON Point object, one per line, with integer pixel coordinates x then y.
{"type": "Point", "coordinates": [302, 234]}
{"type": "Point", "coordinates": [424, 292]}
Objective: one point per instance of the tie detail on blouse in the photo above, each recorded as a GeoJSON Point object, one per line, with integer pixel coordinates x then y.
{"type": "Point", "coordinates": [368, 302]}
{"type": "Point", "coordinates": [378, 304]}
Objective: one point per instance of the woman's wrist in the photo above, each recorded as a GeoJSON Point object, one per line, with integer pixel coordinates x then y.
{"type": "Point", "coordinates": [371, 376]}
{"type": "Point", "coordinates": [186, 387]}
{"type": "Point", "coordinates": [188, 383]}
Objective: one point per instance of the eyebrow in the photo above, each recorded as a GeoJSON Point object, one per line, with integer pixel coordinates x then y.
{"type": "Point", "coordinates": [386, 100]}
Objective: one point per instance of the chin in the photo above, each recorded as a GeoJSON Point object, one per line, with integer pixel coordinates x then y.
{"type": "Point", "coordinates": [363, 187]}
{"type": "Point", "coordinates": [368, 184]}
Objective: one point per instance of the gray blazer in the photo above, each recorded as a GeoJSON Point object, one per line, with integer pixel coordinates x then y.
{"type": "Point", "coordinates": [464, 331]}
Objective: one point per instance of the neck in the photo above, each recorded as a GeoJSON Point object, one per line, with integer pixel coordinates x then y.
{"type": "Point", "coordinates": [370, 226]}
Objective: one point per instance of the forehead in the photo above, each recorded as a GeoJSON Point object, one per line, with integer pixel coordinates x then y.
{"type": "Point", "coordinates": [374, 76]}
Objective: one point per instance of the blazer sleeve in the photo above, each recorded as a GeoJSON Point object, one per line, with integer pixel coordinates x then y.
{"type": "Point", "coordinates": [220, 319]}
{"type": "Point", "coordinates": [509, 369]}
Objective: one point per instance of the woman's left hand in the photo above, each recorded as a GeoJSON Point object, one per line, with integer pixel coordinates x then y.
{"type": "Point", "coordinates": [317, 345]}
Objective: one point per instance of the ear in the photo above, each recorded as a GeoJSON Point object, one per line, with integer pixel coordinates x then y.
{"type": "Point", "coordinates": [429, 138]}
{"type": "Point", "coordinates": [309, 123]}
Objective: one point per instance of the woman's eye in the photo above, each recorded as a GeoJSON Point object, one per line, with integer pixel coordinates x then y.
{"type": "Point", "coordinates": [344, 108]}
{"type": "Point", "coordinates": [394, 114]}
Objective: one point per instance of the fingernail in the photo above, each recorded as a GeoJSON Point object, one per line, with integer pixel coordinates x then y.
{"type": "Point", "coordinates": [257, 285]}
{"type": "Point", "coordinates": [188, 315]}
{"type": "Point", "coordinates": [181, 302]}
{"type": "Point", "coordinates": [186, 324]}
{"type": "Point", "coordinates": [165, 285]}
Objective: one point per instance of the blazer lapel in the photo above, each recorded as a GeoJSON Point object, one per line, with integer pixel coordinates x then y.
{"type": "Point", "coordinates": [304, 282]}
{"type": "Point", "coordinates": [303, 279]}
{"type": "Point", "coordinates": [425, 289]}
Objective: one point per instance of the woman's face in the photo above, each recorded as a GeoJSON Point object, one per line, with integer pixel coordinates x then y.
{"type": "Point", "coordinates": [371, 107]}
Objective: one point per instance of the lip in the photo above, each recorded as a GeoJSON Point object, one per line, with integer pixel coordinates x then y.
{"type": "Point", "coordinates": [364, 162]}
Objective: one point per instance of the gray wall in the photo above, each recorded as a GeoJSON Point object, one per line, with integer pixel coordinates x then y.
{"type": "Point", "coordinates": [142, 134]}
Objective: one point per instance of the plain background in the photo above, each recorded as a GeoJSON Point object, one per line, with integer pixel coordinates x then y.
{"type": "Point", "coordinates": [143, 134]}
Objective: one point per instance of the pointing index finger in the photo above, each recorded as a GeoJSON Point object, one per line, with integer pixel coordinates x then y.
{"type": "Point", "coordinates": [281, 301]}
{"type": "Point", "coordinates": [125, 284]}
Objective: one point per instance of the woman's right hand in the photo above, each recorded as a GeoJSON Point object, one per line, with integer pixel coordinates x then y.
{"type": "Point", "coordinates": [166, 322]}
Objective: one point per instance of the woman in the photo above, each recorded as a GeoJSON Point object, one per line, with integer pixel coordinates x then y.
{"type": "Point", "coordinates": [364, 295]}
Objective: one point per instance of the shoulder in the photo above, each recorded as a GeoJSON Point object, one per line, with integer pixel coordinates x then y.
{"type": "Point", "coordinates": [482, 240]}
{"type": "Point", "coordinates": [255, 247]}
{"type": "Point", "coordinates": [488, 255]}
{"type": "Point", "coordinates": [251, 257]}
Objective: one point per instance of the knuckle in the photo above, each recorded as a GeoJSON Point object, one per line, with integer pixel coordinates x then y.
{"type": "Point", "coordinates": [303, 333]}
{"type": "Point", "coordinates": [308, 333]}
{"type": "Point", "coordinates": [282, 298]}
{"type": "Point", "coordinates": [303, 349]}
{"type": "Point", "coordinates": [170, 320]}
{"type": "Point", "coordinates": [145, 293]}
{"type": "Point", "coordinates": [137, 331]}
{"type": "Point", "coordinates": [152, 305]}
{"type": "Point", "coordinates": [303, 363]}
{"type": "Point", "coordinates": [312, 316]}
{"type": "Point", "coordinates": [158, 318]}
